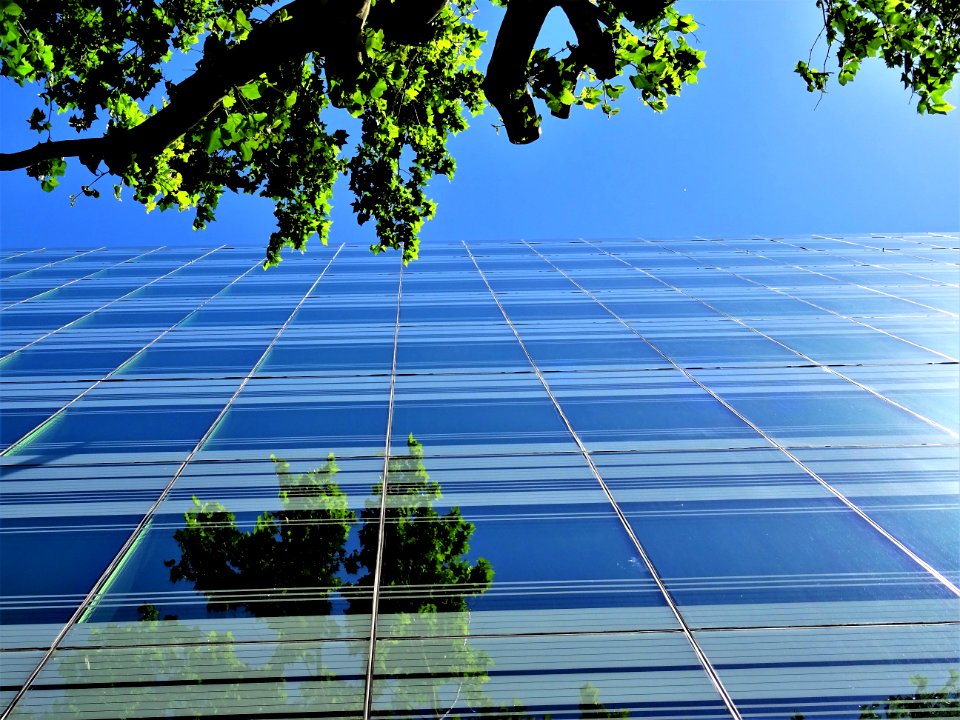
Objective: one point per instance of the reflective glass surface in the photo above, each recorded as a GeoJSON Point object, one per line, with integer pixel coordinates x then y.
{"type": "Point", "coordinates": [586, 480]}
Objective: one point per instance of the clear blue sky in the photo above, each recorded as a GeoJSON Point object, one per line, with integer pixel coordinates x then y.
{"type": "Point", "coordinates": [746, 151]}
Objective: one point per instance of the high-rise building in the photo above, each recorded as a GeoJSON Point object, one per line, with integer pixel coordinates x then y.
{"type": "Point", "coordinates": [588, 479]}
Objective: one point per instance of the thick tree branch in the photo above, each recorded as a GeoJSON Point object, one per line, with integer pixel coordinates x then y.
{"type": "Point", "coordinates": [325, 27]}
{"type": "Point", "coordinates": [49, 151]}
{"type": "Point", "coordinates": [595, 48]}
{"type": "Point", "coordinates": [409, 22]}
{"type": "Point", "coordinates": [505, 84]}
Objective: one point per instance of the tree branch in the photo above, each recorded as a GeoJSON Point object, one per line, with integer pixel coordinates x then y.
{"type": "Point", "coordinates": [505, 84]}
{"type": "Point", "coordinates": [328, 28]}
{"type": "Point", "coordinates": [409, 22]}
{"type": "Point", "coordinates": [50, 150]}
{"type": "Point", "coordinates": [594, 47]}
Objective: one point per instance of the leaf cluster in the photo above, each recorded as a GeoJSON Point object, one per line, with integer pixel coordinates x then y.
{"type": "Point", "coordinates": [920, 38]}
{"type": "Point", "coordinates": [654, 57]}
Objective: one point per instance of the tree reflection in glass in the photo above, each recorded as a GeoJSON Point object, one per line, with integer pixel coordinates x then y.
{"type": "Point", "coordinates": [294, 558]}
{"type": "Point", "coordinates": [314, 557]}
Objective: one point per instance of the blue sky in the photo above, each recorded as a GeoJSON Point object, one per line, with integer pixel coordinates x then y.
{"type": "Point", "coordinates": [746, 151]}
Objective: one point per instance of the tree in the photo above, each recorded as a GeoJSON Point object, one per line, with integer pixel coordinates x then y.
{"type": "Point", "coordinates": [253, 116]}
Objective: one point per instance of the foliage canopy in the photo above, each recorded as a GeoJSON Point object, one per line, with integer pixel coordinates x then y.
{"type": "Point", "coordinates": [256, 113]}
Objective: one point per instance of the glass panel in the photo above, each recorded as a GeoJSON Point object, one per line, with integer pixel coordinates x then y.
{"type": "Point", "coordinates": [650, 411]}
{"type": "Point", "coordinates": [913, 492]}
{"type": "Point", "coordinates": [602, 345]}
{"type": "Point", "coordinates": [838, 672]}
{"type": "Point", "coordinates": [31, 322]}
{"type": "Point", "coordinates": [150, 670]}
{"type": "Point", "coordinates": [936, 333]}
{"type": "Point", "coordinates": [477, 413]}
{"type": "Point", "coordinates": [255, 539]}
{"type": "Point", "coordinates": [290, 415]}
{"type": "Point", "coordinates": [31, 261]}
{"type": "Point", "coordinates": [749, 539]}
{"type": "Point", "coordinates": [835, 341]}
{"type": "Point", "coordinates": [152, 419]}
{"type": "Point", "coordinates": [806, 406]}
{"type": "Point", "coordinates": [193, 353]}
{"type": "Point", "coordinates": [861, 303]}
{"type": "Point", "coordinates": [933, 391]}
{"type": "Point", "coordinates": [70, 521]}
{"type": "Point", "coordinates": [15, 668]}
{"type": "Point", "coordinates": [574, 305]}
{"type": "Point", "coordinates": [467, 307]}
{"type": "Point", "coordinates": [648, 675]}
{"type": "Point", "coordinates": [476, 540]}
{"type": "Point", "coordinates": [345, 349]}
{"type": "Point", "coordinates": [57, 356]}
{"type": "Point", "coordinates": [714, 342]}
{"type": "Point", "coordinates": [27, 404]}
{"type": "Point", "coordinates": [480, 346]}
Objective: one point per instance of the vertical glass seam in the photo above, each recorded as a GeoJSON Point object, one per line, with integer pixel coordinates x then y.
{"type": "Point", "coordinates": [104, 580]}
{"type": "Point", "coordinates": [381, 528]}
{"type": "Point", "coordinates": [661, 586]}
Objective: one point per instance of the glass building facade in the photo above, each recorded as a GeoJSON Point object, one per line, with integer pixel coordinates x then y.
{"type": "Point", "coordinates": [590, 479]}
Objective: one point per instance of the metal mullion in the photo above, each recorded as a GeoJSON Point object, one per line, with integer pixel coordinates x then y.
{"type": "Point", "coordinates": [862, 263]}
{"type": "Point", "coordinates": [85, 277]}
{"type": "Point", "coordinates": [63, 408]}
{"type": "Point", "coordinates": [937, 575]}
{"type": "Point", "coordinates": [826, 368]}
{"type": "Point", "coordinates": [638, 546]}
{"type": "Point", "coordinates": [863, 287]}
{"type": "Point", "coordinates": [22, 252]}
{"type": "Point", "coordinates": [847, 282]}
{"type": "Point", "coordinates": [111, 302]}
{"type": "Point", "coordinates": [103, 581]}
{"type": "Point", "coordinates": [883, 249]}
{"type": "Point", "coordinates": [949, 236]}
{"type": "Point", "coordinates": [381, 527]}
{"type": "Point", "coordinates": [55, 262]}
{"type": "Point", "coordinates": [780, 291]}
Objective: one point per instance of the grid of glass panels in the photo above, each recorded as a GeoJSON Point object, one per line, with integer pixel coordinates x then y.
{"type": "Point", "coordinates": [576, 479]}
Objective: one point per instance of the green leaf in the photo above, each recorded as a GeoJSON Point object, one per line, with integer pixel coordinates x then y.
{"type": "Point", "coordinates": [251, 91]}
{"type": "Point", "coordinates": [10, 9]}
{"type": "Point", "coordinates": [379, 89]}
{"type": "Point", "coordinates": [211, 140]}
